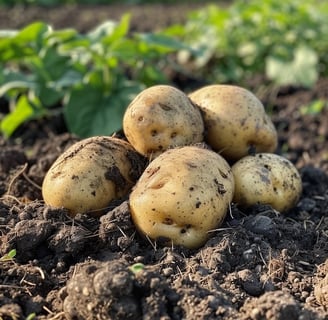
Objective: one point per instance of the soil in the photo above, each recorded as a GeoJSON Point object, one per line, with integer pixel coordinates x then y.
{"type": "Point", "coordinates": [260, 264]}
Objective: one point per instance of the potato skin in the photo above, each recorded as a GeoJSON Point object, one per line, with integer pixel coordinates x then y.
{"type": "Point", "coordinates": [162, 117]}
{"type": "Point", "coordinates": [235, 121]}
{"type": "Point", "coordinates": [92, 173]}
{"type": "Point", "coordinates": [182, 194]}
{"type": "Point", "coordinates": [267, 178]}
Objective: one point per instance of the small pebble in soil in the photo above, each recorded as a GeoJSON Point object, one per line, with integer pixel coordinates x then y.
{"type": "Point", "coordinates": [261, 225]}
{"type": "Point", "coordinates": [306, 204]}
{"type": "Point", "coordinates": [250, 282]}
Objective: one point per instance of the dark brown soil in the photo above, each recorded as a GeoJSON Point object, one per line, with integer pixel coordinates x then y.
{"type": "Point", "coordinates": [259, 264]}
{"type": "Point", "coordinates": [83, 18]}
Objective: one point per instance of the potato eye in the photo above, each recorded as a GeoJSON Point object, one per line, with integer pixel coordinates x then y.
{"type": "Point", "coordinates": [165, 107]}
{"type": "Point", "coordinates": [268, 167]}
{"type": "Point", "coordinates": [185, 229]}
{"type": "Point", "coordinates": [158, 185]}
{"type": "Point", "coordinates": [168, 221]}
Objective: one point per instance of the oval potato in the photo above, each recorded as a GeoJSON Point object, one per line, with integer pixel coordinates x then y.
{"type": "Point", "coordinates": [92, 173]}
{"type": "Point", "coordinates": [182, 194]}
{"type": "Point", "coordinates": [266, 178]}
{"type": "Point", "coordinates": [162, 117]}
{"type": "Point", "coordinates": [235, 121]}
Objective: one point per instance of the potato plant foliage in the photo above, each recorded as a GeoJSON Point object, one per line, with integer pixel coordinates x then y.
{"type": "Point", "coordinates": [92, 77]}
{"type": "Point", "coordinates": [286, 41]}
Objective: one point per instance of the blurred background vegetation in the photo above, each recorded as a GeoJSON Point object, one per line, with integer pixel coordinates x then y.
{"type": "Point", "coordinates": [89, 2]}
{"type": "Point", "coordinates": [91, 77]}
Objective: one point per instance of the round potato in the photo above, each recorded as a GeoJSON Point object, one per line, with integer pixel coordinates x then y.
{"type": "Point", "coordinates": [162, 117]}
{"type": "Point", "coordinates": [235, 120]}
{"type": "Point", "coordinates": [182, 194]}
{"type": "Point", "coordinates": [92, 173]}
{"type": "Point", "coordinates": [266, 178]}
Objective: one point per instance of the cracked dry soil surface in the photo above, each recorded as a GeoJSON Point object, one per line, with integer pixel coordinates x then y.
{"type": "Point", "coordinates": [259, 265]}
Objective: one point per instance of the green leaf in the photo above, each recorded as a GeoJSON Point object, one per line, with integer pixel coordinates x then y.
{"type": "Point", "coordinates": [150, 75]}
{"type": "Point", "coordinates": [53, 63]}
{"type": "Point", "coordinates": [32, 32]}
{"type": "Point", "coordinates": [314, 107]}
{"type": "Point", "coordinates": [137, 267]}
{"type": "Point", "coordinates": [69, 79]}
{"type": "Point", "coordinates": [162, 42]}
{"type": "Point", "coordinates": [49, 95]}
{"type": "Point", "coordinates": [75, 46]}
{"type": "Point", "coordinates": [90, 112]}
{"type": "Point", "coordinates": [21, 84]}
{"type": "Point", "coordinates": [119, 31]}
{"type": "Point", "coordinates": [302, 70]}
{"type": "Point", "coordinates": [9, 256]}
{"type": "Point", "coordinates": [110, 31]}
{"type": "Point", "coordinates": [61, 36]}
{"type": "Point", "coordinates": [25, 109]}
{"type": "Point", "coordinates": [31, 316]}
{"type": "Point", "coordinates": [52, 67]}
{"type": "Point", "coordinates": [24, 43]}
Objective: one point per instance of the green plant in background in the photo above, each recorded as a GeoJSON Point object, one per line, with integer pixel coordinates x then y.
{"type": "Point", "coordinates": [91, 77]}
{"type": "Point", "coordinates": [284, 40]}
{"type": "Point", "coordinates": [314, 107]}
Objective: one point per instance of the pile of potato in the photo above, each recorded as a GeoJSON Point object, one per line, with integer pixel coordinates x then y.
{"type": "Point", "coordinates": [203, 151]}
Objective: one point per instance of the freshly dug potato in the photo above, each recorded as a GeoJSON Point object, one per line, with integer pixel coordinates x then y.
{"type": "Point", "coordinates": [92, 173]}
{"type": "Point", "coordinates": [236, 122]}
{"type": "Point", "coordinates": [181, 195]}
{"type": "Point", "coordinates": [162, 117]}
{"type": "Point", "coordinates": [266, 178]}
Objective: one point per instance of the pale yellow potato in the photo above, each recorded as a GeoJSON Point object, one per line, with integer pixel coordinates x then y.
{"type": "Point", "coordinates": [92, 173]}
{"type": "Point", "coordinates": [181, 195]}
{"type": "Point", "coordinates": [267, 178]}
{"type": "Point", "coordinates": [162, 117]}
{"type": "Point", "coordinates": [236, 122]}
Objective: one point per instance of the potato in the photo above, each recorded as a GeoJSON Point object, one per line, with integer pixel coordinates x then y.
{"type": "Point", "coordinates": [235, 120]}
{"type": "Point", "coordinates": [182, 194]}
{"type": "Point", "coordinates": [266, 178]}
{"type": "Point", "coordinates": [92, 173]}
{"type": "Point", "coordinates": [161, 117]}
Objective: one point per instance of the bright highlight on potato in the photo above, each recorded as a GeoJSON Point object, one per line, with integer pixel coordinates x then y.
{"type": "Point", "coordinates": [182, 194]}
{"type": "Point", "coordinates": [236, 123]}
{"type": "Point", "coordinates": [162, 117]}
{"type": "Point", "coordinates": [266, 178]}
{"type": "Point", "coordinates": [92, 173]}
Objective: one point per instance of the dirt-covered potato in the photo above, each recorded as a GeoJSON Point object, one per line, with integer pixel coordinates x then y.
{"type": "Point", "coordinates": [92, 173]}
{"type": "Point", "coordinates": [236, 122]}
{"type": "Point", "coordinates": [161, 117]}
{"type": "Point", "coordinates": [182, 194]}
{"type": "Point", "coordinates": [266, 178]}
